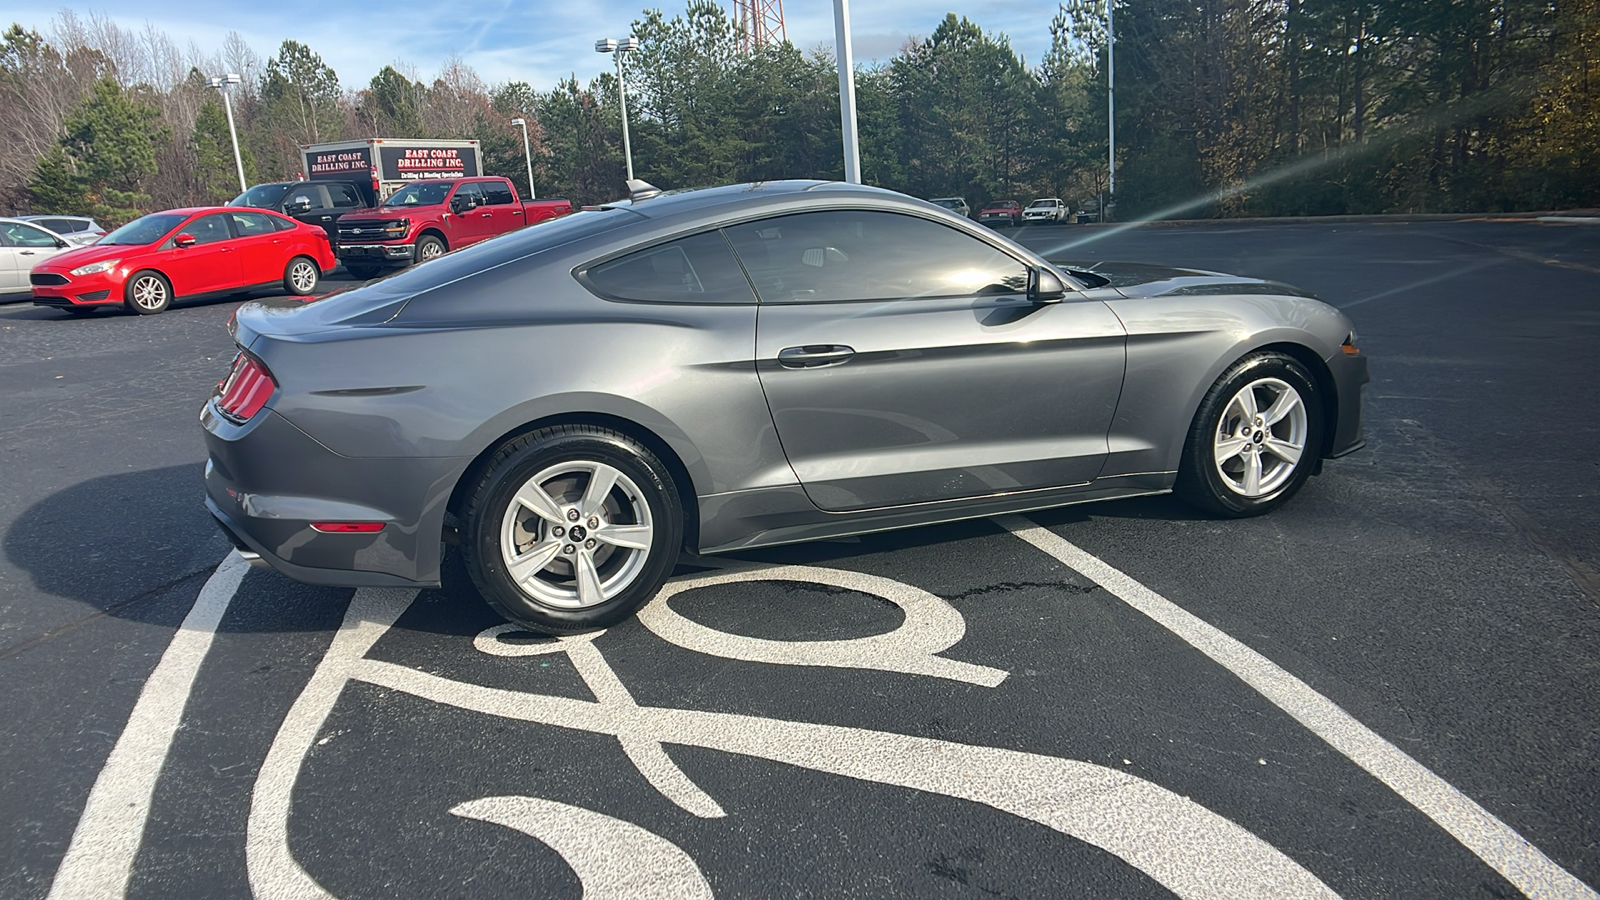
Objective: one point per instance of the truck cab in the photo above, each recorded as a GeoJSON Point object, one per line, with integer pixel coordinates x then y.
{"type": "Point", "coordinates": [318, 203]}
{"type": "Point", "coordinates": [428, 218]}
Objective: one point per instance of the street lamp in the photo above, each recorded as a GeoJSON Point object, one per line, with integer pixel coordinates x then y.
{"type": "Point", "coordinates": [527, 152]}
{"type": "Point", "coordinates": [626, 45]}
{"type": "Point", "coordinates": [221, 84]}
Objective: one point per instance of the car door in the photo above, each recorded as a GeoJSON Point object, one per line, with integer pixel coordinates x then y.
{"type": "Point", "coordinates": [504, 213]}
{"type": "Point", "coordinates": [260, 247]}
{"type": "Point", "coordinates": [311, 204]}
{"type": "Point", "coordinates": [468, 222]}
{"type": "Point", "coordinates": [211, 263]}
{"type": "Point", "coordinates": [904, 363]}
{"type": "Point", "coordinates": [12, 277]}
{"type": "Point", "coordinates": [27, 246]}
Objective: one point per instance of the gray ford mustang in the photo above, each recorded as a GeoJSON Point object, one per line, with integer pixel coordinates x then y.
{"type": "Point", "coordinates": [576, 402]}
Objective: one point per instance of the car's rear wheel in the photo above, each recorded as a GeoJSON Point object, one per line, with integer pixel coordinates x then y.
{"type": "Point", "coordinates": [147, 293]}
{"type": "Point", "coordinates": [1255, 438]}
{"type": "Point", "coordinates": [362, 271]}
{"type": "Point", "coordinates": [429, 247]}
{"type": "Point", "coordinates": [300, 276]}
{"type": "Point", "coordinates": [571, 528]}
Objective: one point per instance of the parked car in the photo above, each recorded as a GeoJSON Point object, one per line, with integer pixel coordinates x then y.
{"type": "Point", "coordinates": [957, 205]}
{"type": "Point", "coordinates": [575, 403]}
{"type": "Point", "coordinates": [318, 203]}
{"type": "Point", "coordinates": [184, 253]}
{"type": "Point", "coordinates": [80, 231]}
{"type": "Point", "coordinates": [1001, 212]}
{"type": "Point", "coordinates": [24, 245]}
{"type": "Point", "coordinates": [427, 219]}
{"type": "Point", "coordinates": [1046, 211]}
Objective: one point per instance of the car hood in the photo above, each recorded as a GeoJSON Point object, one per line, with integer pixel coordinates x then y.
{"type": "Point", "coordinates": [1136, 280]}
{"type": "Point", "coordinates": [82, 256]}
{"type": "Point", "coordinates": [384, 213]}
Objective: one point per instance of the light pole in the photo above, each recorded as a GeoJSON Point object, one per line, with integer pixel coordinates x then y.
{"type": "Point", "coordinates": [847, 90]}
{"type": "Point", "coordinates": [527, 151]}
{"type": "Point", "coordinates": [221, 84]}
{"type": "Point", "coordinates": [1111, 111]}
{"type": "Point", "coordinates": [626, 45]}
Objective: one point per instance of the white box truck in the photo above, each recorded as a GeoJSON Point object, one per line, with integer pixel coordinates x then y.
{"type": "Point", "coordinates": [391, 163]}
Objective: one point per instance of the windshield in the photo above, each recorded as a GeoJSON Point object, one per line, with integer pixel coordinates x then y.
{"type": "Point", "coordinates": [262, 196]}
{"type": "Point", "coordinates": [431, 194]}
{"type": "Point", "coordinates": [144, 230]}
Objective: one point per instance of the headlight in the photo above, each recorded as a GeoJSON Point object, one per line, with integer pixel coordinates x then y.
{"type": "Point", "coordinates": [103, 265]}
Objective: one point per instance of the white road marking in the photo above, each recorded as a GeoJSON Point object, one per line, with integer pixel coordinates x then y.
{"type": "Point", "coordinates": [100, 858]}
{"type": "Point", "coordinates": [614, 859]}
{"type": "Point", "coordinates": [931, 625]}
{"type": "Point", "coordinates": [1492, 840]}
{"type": "Point", "coordinates": [274, 873]}
{"type": "Point", "coordinates": [1185, 847]}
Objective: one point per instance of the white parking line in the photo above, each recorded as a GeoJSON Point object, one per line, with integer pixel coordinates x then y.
{"type": "Point", "coordinates": [100, 858]}
{"type": "Point", "coordinates": [1493, 841]}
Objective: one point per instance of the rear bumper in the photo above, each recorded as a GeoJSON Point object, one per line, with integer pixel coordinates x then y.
{"type": "Point", "coordinates": [267, 481]}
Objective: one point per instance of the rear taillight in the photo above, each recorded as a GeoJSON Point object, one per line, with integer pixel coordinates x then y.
{"type": "Point", "coordinates": [246, 390]}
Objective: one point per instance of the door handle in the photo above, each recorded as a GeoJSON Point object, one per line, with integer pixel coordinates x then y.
{"type": "Point", "coordinates": [814, 356]}
{"type": "Point", "coordinates": [487, 215]}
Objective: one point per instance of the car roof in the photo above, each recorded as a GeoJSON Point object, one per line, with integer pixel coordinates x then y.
{"type": "Point", "coordinates": [31, 216]}
{"type": "Point", "coordinates": [751, 194]}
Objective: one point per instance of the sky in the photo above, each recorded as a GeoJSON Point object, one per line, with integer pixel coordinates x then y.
{"type": "Point", "coordinates": [538, 41]}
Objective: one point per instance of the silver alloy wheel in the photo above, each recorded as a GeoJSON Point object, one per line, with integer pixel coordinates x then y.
{"type": "Point", "coordinates": [576, 534]}
{"type": "Point", "coordinates": [303, 275]}
{"type": "Point", "coordinates": [1261, 437]}
{"type": "Point", "coordinates": [431, 250]}
{"type": "Point", "coordinates": [150, 292]}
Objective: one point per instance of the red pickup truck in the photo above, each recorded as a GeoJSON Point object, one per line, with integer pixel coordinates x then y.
{"type": "Point", "coordinates": [427, 219]}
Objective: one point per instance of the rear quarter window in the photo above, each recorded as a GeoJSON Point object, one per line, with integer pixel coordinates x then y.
{"type": "Point", "coordinates": [698, 269]}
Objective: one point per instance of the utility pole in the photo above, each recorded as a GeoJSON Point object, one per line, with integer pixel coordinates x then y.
{"type": "Point", "coordinates": [1111, 110]}
{"type": "Point", "coordinates": [847, 90]}
{"type": "Point", "coordinates": [222, 85]}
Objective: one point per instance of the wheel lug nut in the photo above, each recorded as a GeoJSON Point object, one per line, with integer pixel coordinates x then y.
{"type": "Point", "coordinates": [594, 521]}
{"type": "Point", "coordinates": [572, 515]}
{"type": "Point", "coordinates": [589, 544]}
{"type": "Point", "coordinates": [569, 549]}
{"type": "Point", "coordinates": [558, 531]}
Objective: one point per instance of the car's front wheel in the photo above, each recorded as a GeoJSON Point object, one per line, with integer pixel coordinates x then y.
{"type": "Point", "coordinates": [571, 528]}
{"type": "Point", "coordinates": [429, 247]}
{"type": "Point", "coordinates": [1255, 438]}
{"type": "Point", "coordinates": [147, 293]}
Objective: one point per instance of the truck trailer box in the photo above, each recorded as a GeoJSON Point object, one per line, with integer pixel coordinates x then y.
{"type": "Point", "coordinates": [391, 163]}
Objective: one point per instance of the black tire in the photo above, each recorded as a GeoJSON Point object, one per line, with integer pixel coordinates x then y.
{"type": "Point", "coordinates": [362, 271]}
{"type": "Point", "coordinates": [646, 489]}
{"type": "Point", "coordinates": [1223, 489]}
{"type": "Point", "coordinates": [147, 293]}
{"type": "Point", "coordinates": [428, 247]}
{"type": "Point", "coordinates": [301, 276]}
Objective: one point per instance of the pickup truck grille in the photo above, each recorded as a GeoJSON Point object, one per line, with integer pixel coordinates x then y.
{"type": "Point", "coordinates": [370, 231]}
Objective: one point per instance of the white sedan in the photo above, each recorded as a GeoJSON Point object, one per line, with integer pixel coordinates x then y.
{"type": "Point", "coordinates": [24, 245]}
{"type": "Point", "coordinates": [1045, 211]}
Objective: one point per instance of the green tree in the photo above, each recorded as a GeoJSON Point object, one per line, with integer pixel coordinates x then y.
{"type": "Point", "coordinates": [215, 174]}
{"type": "Point", "coordinates": [55, 187]}
{"type": "Point", "coordinates": [110, 148]}
{"type": "Point", "coordinates": [393, 104]}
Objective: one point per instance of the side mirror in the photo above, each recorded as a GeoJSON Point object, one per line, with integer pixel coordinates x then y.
{"type": "Point", "coordinates": [61, 243]}
{"type": "Point", "coordinates": [183, 240]}
{"type": "Point", "coordinates": [1045, 287]}
{"type": "Point", "coordinates": [459, 203]}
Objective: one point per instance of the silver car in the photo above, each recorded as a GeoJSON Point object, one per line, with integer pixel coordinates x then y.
{"type": "Point", "coordinates": [576, 403]}
{"type": "Point", "coordinates": [24, 245]}
{"type": "Point", "coordinates": [80, 231]}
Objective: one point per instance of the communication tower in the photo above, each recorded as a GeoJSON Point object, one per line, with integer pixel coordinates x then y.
{"type": "Point", "coordinates": [762, 22]}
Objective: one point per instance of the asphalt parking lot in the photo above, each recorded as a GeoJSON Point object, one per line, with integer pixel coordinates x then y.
{"type": "Point", "coordinates": [1388, 688]}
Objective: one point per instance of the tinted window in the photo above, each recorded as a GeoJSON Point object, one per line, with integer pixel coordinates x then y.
{"type": "Point", "coordinates": [144, 230]}
{"type": "Point", "coordinates": [854, 255]}
{"type": "Point", "coordinates": [64, 226]}
{"type": "Point", "coordinates": [314, 194]}
{"type": "Point", "coordinates": [343, 196]}
{"type": "Point", "coordinates": [262, 196]}
{"type": "Point", "coordinates": [698, 269]}
{"type": "Point", "coordinates": [21, 235]}
{"type": "Point", "coordinates": [282, 224]}
{"type": "Point", "coordinates": [422, 194]}
{"type": "Point", "coordinates": [209, 229]}
{"type": "Point", "coordinates": [249, 224]}
{"type": "Point", "coordinates": [496, 193]}
{"type": "Point", "coordinates": [468, 194]}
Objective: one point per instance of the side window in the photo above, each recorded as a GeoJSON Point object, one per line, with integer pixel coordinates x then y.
{"type": "Point", "coordinates": [343, 196]}
{"type": "Point", "coordinates": [697, 269]}
{"type": "Point", "coordinates": [468, 193]}
{"type": "Point", "coordinates": [208, 229]}
{"type": "Point", "coordinates": [250, 224]}
{"type": "Point", "coordinates": [496, 193]}
{"type": "Point", "coordinates": [314, 194]}
{"type": "Point", "coordinates": [63, 226]}
{"type": "Point", "coordinates": [862, 255]}
{"type": "Point", "coordinates": [27, 236]}
{"type": "Point", "coordinates": [281, 223]}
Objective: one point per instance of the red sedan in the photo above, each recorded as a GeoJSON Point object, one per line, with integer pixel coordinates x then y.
{"type": "Point", "coordinates": [183, 253]}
